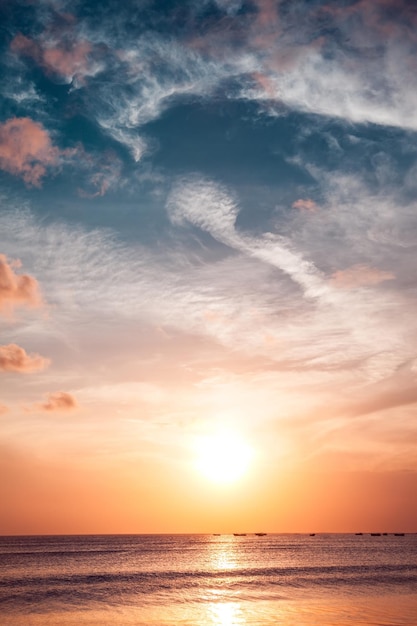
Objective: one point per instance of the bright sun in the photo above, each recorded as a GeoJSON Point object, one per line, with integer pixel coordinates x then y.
{"type": "Point", "coordinates": [223, 457]}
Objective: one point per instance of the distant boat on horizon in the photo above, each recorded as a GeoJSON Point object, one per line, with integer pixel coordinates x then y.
{"type": "Point", "coordinates": [358, 533]}
{"type": "Point", "coordinates": [398, 534]}
{"type": "Point", "coordinates": [312, 534]}
{"type": "Point", "coordinates": [260, 534]}
{"type": "Point", "coordinates": [239, 534]}
{"type": "Point", "coordinates": [375, 534]}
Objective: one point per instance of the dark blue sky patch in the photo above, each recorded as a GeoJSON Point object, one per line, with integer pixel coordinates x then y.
{"type": "Point", "coordinates": [227, 141]}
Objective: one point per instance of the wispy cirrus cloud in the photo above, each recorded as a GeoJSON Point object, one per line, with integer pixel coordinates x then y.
{"type": "Point", "coordinates": [253, 55]}
{"type": "Point", "coordinates": [13, 358]}
{"type": "Point", "coordinates": [341, 319]}
{"type": "Point", "coordinates": [138, 93]}
{"type": "Point", "coordinates": [247, 302]}
{"type": "Point", "coordinates": [17, 289]}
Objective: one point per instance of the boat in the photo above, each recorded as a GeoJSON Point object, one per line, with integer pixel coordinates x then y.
{"type": "Point", "coordinates": [239, 534]}
{"type": "Point", "coordinates": [375, 534]}
{"type": "Point", "coordinates": [312, 534]}
{"type": "Point", "coordinates": [358, 533]}
{"type": "Point", "coordinates": [398, 534]}
{"type": "Point", "coordinates": [260, 534]}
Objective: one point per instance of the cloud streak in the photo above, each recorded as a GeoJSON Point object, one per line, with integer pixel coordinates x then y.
{"type": "Point", "coordinates": [360, 276]}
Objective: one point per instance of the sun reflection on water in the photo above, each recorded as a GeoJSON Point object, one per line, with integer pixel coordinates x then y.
{"type": "Point", "coordinates": [226, 614]}
{"type": "Point", "coordinates": [223, 557]}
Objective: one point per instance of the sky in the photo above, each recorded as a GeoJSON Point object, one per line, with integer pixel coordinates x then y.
{"type": "Point", "coordinates": [208, 233]}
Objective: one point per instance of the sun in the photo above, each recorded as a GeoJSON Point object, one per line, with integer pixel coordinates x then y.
{"type": "Point", "coordinates": [223, 457]}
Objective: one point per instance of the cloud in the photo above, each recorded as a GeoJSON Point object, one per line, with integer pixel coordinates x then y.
{"type": "Point", "coordinates": [3, 409]}
{"type": "Point", "coordinates": [385, 18]}
{"type": "Point", "coordinates": [305, 205]}
{"type": "Point", "coordinates": [139, 88]}
{"type": "Point", "coordinates": [360, 276]}
{"type": "Point", "coordinates": [17, 289]}
{"type": "Point", "coordinates": [229, 6]}
{"type": "Point", "coordinates": [106, 174]}
{"type": "Point", "coordinates": [372, 79]}
{"type": "Point", "coordinates": [332, 328]}
{"type": "Point", "coordinates": [276, 55]}
{"type": "Point", "coordinates": [297, 62]}
{"type": "Point", "coordinates": [209, 206]}
{"type": "Point", "coordinates": [59, 55]}
{"type": "Point", "coordinates": [59, 401]}
{"type": "Point", "coordinates": [13, 358]}
{"type": "Point", "coordinates": [204, 204]}
{"type": "Point", "coordinates": [26, 150]}
{"type": "Point", "coordinates": [261, 294]}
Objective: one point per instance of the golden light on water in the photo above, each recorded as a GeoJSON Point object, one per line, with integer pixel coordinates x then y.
{"type": "Point", "coordinates": [227, 614]}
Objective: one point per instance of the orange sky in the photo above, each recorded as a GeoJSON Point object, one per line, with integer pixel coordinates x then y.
{"type": "Point", "coordinates": [208, 223]}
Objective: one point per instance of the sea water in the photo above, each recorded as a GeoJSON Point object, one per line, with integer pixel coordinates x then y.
{"type": "Point", "coordinates": [207, 580]}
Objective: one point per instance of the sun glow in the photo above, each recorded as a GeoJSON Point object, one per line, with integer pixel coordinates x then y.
{"type": "Point", "coordinates": [223, 457]}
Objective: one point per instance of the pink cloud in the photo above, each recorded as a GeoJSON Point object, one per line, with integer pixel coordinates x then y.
{"type": "Point", "coordinates": [26, 150]}
{"type": "Point", "coordinates": [360, 276]}
{"type": "Point", "coordinates": [3, 409]}
{"type": "Point", "coordinates": [378, 16]}
{"type": "Point", "coordinates": [267, 13]}
{"type": "Point", "coordinates": [17, 289]}
{"type": "Point", "coordinates": [13, 358]}
{"type": "Point", "coordinates": [107, 176]}
{"type": "Point", "coordinates": [66, 60]}
{"type": "Point", "coordinates": [59, 401]}
{"type": "Point", "coordinates": [305, 205]}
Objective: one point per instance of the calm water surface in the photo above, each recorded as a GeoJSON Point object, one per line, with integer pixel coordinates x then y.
{"type": "Point", "coordinates": [201, 580]}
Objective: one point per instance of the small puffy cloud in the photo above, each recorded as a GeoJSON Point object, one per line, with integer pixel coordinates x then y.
{"type": "Point", "coordinates": [360, 276]}
{"type": "Point", "coordinates": [26, 150]}
{"type": "Point", "coordinates": [59, 401]}
{"type": "Point", "coordinates": [13, 358]}
{"type": "Point", "coordinates": [305, 205]}
{"type": "Point", "coordinates": [17, 289]}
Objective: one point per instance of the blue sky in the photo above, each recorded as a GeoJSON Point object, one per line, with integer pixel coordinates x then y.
{"type": "Point", "coordinates": [214, 206]}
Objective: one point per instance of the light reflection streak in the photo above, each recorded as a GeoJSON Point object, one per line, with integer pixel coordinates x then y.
{"type": "Point", "coordinates": [226, 614]}
{"type": "Point", "coordinates": [223, 557]}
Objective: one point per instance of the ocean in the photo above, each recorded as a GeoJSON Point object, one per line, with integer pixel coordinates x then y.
{"type": "Point", "coordinates": [208, 580]}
